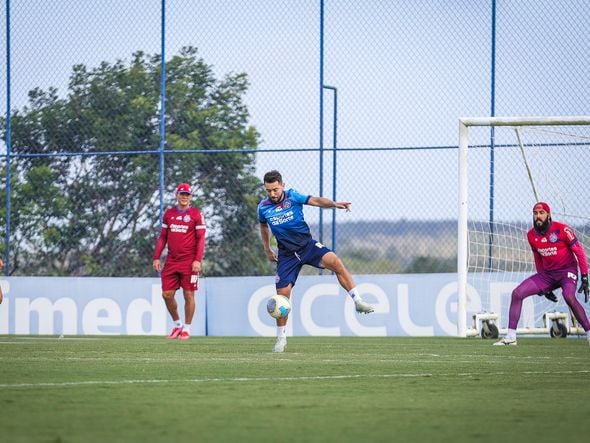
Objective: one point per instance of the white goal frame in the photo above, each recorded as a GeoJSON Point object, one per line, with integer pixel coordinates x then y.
{"type": "Point", "coordinates": [462, 252]}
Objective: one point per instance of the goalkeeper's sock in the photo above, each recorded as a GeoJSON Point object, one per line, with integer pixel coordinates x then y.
{"type": "Point", "coordinates": [177, 324]}
{"type": "Point", "coordinates": [511, 334]}
{"type": "Point", "coordinates": [281, 331]}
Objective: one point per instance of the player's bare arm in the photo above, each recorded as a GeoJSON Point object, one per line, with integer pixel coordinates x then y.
{"type": "Point", "coordinates": [265, 235]}
{"type": "Point", "coordinates": [323, 202]}
{"type": "Point", "coordinates": [157, 265]}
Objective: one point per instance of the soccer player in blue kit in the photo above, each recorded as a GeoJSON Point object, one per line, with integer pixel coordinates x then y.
{"type": "Point", "coordinates": [281, 214]}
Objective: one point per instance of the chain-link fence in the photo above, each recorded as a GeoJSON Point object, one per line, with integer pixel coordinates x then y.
{"type": "Point", "coordinates": [357, 101]}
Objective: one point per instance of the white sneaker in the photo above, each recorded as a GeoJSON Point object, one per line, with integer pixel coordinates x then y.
{"type": "Point", "coordinates": [362, 307]}
{"type": "Point", "coordinates": [280, 345]}
{"type": "Point", "coordinates": [506, 342]}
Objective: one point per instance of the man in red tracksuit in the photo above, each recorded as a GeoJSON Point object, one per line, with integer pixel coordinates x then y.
{"type": "Point", "coordinates": [183, 229]}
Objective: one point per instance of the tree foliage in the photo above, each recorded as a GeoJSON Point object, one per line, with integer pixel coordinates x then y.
{"type": "Point", "coordinates": [91, 207]}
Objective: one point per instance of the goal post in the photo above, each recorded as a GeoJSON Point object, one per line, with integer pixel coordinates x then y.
{"type": "Point", "coordinates": [506, 164]}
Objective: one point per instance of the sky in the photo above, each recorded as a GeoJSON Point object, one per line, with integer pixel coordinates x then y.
{"type": "Point", "coordinates": [405, 72]}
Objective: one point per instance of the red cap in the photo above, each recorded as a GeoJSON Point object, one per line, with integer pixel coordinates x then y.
{"type": "Point", "coordinates": [184, 188]}
{"type": "Point", "coordinates": [542, 205]}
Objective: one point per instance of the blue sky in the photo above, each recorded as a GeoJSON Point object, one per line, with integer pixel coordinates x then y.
{"type": "Point", "coordinates": [405, 72]}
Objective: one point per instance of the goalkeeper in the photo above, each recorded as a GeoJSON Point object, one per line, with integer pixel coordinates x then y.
{"type": "Point", "coordinates": [558, 254]}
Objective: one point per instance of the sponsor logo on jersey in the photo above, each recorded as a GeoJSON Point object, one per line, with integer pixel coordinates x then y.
{"type": "Point", "coordinates": [178, 228]}
{"type": "Point", "coordinates": [282, 218]}
{"type": "Point", "coordinates": [546, 252]}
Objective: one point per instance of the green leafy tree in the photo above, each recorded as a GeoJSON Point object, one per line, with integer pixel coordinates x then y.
{"type": "Point", "coordinates": [92, 207]}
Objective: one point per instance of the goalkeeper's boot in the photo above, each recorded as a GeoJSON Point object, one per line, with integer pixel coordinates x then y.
{"type": "Point", "coordinates": [280, 345]}
{"type": "Point", "coordinates": [175, 333]}
{"type": "Point", "coordinates": [362, 307]}
{"type": "Point", "coordinates": [184, 335]}
{"type": "Point", "coordinates": [506, 342]}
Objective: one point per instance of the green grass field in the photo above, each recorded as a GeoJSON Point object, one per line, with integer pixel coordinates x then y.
{"type": "Point", "coordinates": [344, 389]}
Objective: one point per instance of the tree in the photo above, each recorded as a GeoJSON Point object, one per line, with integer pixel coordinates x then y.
{"type": "Point", "coordinates": [92, 208]}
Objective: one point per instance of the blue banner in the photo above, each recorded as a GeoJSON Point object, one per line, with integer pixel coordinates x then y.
{"type": "Point", "coordinates": [405, 305]}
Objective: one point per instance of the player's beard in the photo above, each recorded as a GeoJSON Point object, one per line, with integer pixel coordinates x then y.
{"type": "Point", "coordinates": [279, 198]}
{"type": "Point", "coordinates": [543, 227]}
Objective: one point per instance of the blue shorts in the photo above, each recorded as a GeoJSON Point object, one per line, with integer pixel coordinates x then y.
{"type": "Point", "coordinates": [290, 263]}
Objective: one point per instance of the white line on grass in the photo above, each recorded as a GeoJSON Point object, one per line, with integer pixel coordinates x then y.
{"type": "Point", "coordinates": [7, 386]}
{"type": "Point", "coordinates": [27, 340]}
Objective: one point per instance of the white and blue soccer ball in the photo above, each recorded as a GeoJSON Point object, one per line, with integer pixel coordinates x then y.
{"type": "Point", "coordinates": [278, 306]}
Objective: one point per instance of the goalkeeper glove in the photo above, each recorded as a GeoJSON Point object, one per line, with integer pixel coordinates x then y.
{"type": "Point", "coordinates": [584, 287]}
{"type": "Point", "coordinates": [549, 295]}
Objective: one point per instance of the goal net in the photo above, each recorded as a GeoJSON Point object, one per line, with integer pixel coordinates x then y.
{"type": "Point", "coordinates": [505, 166]}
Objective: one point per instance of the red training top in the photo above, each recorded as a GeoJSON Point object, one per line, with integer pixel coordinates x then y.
{"type": "Point", "coordinates": [184, 231]}
{"type": "Point", "coordinates": [557, 249]}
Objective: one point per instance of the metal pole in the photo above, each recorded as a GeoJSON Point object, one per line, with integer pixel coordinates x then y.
{"type": "Point", "coordinates": [162, 106]}
{"type": "Point", "coordinates": [321, 167]}
{"type": "Point", "coordinates": [462, 234]}
{"type": "Point", "coordinates": [334, 155]}
{"type": "Point", "coordinates": [8, 143]}
{"type": "Point", "coordinates": [492, 138]}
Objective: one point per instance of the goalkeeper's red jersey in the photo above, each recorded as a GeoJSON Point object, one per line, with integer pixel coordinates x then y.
{"type": "Point", "coordinates": [557, 249]}
{"type": "Point", "coordinates": [184, 232]}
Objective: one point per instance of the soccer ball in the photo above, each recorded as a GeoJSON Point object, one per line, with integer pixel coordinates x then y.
{"type": "Point", "coordinates": [278, 306]}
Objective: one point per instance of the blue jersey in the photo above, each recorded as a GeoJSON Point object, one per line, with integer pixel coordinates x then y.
{"type": "Point", "coordinates": [286, 220]}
